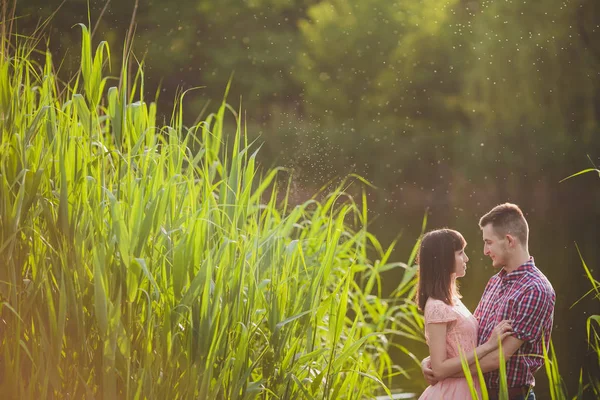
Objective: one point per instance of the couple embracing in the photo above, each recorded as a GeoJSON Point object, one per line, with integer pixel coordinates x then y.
{"type": "Point", "coordinates": [516, 309]}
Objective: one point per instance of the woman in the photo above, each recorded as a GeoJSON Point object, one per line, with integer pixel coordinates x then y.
{"type": "Point", "coordinates": [449, 326]}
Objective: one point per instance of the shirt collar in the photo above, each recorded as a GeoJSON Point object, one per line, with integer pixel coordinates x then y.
{"type": "Point", "coordinates": [517, 273]}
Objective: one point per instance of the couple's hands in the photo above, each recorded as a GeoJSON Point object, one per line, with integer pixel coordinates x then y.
{"type": "Point", "coordinates": [500, 331]}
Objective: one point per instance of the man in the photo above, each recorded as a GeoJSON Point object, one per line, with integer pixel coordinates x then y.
{"type": "Point", "coordinates": [520, 293]}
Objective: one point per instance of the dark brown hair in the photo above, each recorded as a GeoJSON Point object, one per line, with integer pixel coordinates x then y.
{"type": "Point", "coordinates": [436, 265]}
{"type": "Point", "coordinates": [506, 219]}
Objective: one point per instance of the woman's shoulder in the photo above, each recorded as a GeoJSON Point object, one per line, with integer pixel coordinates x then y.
{"type": "Point", "coordinates": [436, 304]}
{"type": "Point", "coordinates": [438, 311]}
{"type": "Point", "coordinates": [431, 302]}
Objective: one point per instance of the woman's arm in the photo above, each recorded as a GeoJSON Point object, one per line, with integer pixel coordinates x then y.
{"type": "Point", "coordinates": [491, 361]}
{"type": "Point", "coordinates": [444, 367]}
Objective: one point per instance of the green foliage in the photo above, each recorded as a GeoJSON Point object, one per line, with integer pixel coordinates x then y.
{"type": "Point", "coordinates": [432, 80]}
{"type": "Point", "coordinates": [150, 261]}
{"type": "Point", "coordinates": [419, 83]}
{"type": "Point", "coordinates": [424, 86]}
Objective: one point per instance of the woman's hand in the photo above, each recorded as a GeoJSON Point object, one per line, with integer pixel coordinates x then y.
{"type": "Point", "coordinates": [428, 371]}
{"type": "Point", "coordinates": [500, 331]}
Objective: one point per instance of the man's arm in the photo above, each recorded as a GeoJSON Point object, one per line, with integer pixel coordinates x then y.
{"type": "Point", "coordinates": [529, 314]}
{"type": "Point", "coordinates": [533, 308]}
{"type": "Point", "coordinates": [491, 362]}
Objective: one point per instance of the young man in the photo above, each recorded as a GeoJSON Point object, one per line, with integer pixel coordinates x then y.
{"type": "Point", "coordinates": [520, 293]}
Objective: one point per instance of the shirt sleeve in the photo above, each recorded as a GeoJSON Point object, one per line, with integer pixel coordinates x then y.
{"type": "Point", "coordinates": [531, 312]}
{"type": "Point", "coordinates": [438, 312]}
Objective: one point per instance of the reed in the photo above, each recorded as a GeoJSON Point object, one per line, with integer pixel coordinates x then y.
{"type": "Point", "coordinates": [149, 260]}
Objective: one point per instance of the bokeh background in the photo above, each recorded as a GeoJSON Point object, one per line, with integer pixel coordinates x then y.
{"type": "Point", "coordinates": [448, 107]}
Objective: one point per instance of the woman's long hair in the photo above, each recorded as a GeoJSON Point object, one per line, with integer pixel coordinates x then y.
{"type": "Point", "coordinates": [436, 266]}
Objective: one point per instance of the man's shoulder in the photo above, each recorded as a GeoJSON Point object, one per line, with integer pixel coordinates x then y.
{"type": "Point", "coordinates": [538, 282]}
{"type": "Point", "coordinates": [539, 287]}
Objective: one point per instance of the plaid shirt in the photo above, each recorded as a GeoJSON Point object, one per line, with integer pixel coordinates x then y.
{"type": "Point", "coordinates": [527, 298]}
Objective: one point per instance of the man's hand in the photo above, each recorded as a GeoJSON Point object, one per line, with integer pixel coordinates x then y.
{"type": "Point", "coordinates": [427, 371]}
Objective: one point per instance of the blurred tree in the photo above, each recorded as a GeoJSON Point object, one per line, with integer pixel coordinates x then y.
{"type": "Point", "coordinates": [191, 43]}
{"type": "Point", "coordinates": [62, 35]}
{"type": "Point", "coordinates": [532, 66]}
{"type": "Point", "coordinates": [424, 82]}
{"type": "Point", "coordinates": [459, 85]}
{"type": "Point", "coordinates": [393, 73]}
{"type": "Point", "coordinates": [202, 43]}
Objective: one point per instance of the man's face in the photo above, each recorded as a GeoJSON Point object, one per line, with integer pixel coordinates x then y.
{"type": "Point", "coordinates": [494, 246]}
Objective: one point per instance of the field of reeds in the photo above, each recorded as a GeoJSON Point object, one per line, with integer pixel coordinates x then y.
{"type": "Point", "coordinates": [142, 259]}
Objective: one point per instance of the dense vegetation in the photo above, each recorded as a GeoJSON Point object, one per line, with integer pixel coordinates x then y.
{"type": "Point", "coordinates": [148, 261]}
{"type": "Point", "coordinates": [144, 250]}
{"type": "Point", "coordinates": [434, 88]}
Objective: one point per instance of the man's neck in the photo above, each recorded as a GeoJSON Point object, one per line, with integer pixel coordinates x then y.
{"type": "Point", "coordinates": [517, 261]}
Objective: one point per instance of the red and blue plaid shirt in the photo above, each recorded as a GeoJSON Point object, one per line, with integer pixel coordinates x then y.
{"type": "Point", "coordinates": [526, 297]}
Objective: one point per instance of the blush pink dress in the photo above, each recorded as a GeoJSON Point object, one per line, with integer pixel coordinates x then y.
{"type": "Point", "coordinates": [461, 331]}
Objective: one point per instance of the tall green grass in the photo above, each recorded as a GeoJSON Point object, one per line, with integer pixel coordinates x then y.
{"type": "Point", "coordinates": [144, 260]}
{"type": "Point", "coordinates": [141, 259]}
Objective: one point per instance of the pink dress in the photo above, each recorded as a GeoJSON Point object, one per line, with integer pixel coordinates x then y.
{"type": "Point", "coordinates": [461, 331]}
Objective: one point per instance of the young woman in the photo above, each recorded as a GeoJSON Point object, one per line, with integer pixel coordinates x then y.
{"type": "Point", "coordinates": [449, 326]}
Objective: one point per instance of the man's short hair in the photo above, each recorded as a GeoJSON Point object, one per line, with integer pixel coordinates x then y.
{"type": "Point", "coordinates": [507, 219]}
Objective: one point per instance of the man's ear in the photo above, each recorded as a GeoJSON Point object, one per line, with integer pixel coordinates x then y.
{"type": "Point", "coordinates": [512, 242]}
